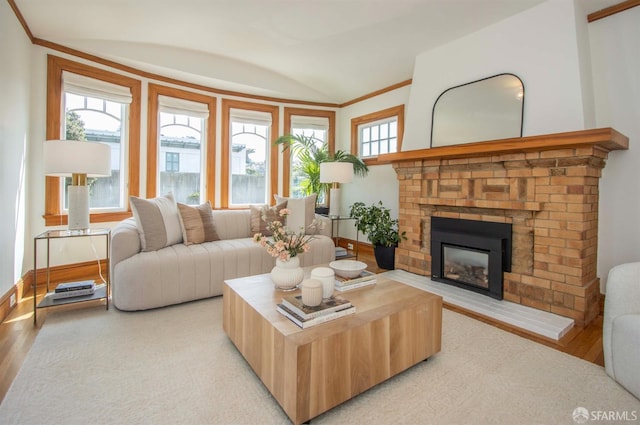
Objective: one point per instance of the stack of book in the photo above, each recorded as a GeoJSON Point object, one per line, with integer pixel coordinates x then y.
{"type": "Point", "coordinates": [74, 289]}
{"type": "Point", "coordinates": [305, 316]}
{"type": "Point", "coordinates": [341, 252]}
{"type": "Point", "coordinates": [365, 278]}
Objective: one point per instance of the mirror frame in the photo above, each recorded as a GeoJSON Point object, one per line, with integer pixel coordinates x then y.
{"type": "Point", "coordinates": [467, 84]}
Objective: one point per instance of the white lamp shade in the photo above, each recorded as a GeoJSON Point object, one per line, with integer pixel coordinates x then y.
{"type": "Point", "coordinates": [63, 158]}
{"type": "Point", "coordinates": [336, 172]}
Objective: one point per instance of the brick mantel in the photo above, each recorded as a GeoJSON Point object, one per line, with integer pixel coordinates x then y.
{"type": "Point", "coordinates": [545, 186]}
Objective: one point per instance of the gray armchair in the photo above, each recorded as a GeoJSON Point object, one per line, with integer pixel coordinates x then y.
{"type": "Point", "coordinates": [621, 326]}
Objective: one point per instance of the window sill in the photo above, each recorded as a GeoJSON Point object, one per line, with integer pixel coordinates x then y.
{"type": "Point", "coordinates": [61, 219]}
{"type": "Point", "coordinates": [375, 161]}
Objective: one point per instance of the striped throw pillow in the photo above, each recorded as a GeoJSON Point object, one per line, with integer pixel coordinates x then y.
{"type": "Point", "coordinates": [157, 220]}
{"type": "Point", "coordinates": [197, 224]}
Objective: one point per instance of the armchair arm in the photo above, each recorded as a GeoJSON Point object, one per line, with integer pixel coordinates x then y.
{"type": "Point", "coordinates": [324, 225]}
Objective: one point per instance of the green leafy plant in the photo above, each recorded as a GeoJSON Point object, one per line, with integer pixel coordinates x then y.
{"type": "Point", "coordinates": [311, 152]}
{"type": "Point", "coordinates": [376, 224]}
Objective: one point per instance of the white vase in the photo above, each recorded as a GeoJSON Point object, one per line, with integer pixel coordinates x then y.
{"type": "Point", "coordinates": [286, 275]}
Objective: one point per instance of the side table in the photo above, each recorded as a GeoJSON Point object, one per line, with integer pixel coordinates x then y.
{"type": "Point", "coordinates": [335, 233]}
{"type": "Point", "coordinates": [48, 301]}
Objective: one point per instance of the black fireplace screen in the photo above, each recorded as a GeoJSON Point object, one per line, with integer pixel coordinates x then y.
{"type": "Point", "coordinates": [470, 254]}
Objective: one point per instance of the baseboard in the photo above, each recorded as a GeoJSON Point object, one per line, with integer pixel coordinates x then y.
{"type": "Point", "coordinates": [57, 274]}
{"type": "Point", "coordinates": [362, 247]}
{"type": "Point", "coordinates": [5, 301]}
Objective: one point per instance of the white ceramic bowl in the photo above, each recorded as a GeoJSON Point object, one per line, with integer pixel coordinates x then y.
{"type": "Point", "coordinates": [348, 268]}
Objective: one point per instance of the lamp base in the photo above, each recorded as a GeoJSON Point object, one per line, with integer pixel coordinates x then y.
{"type": "Point", "coordinates": [334, 202]}
{"type": "Point", "coordinates": [78, 207]}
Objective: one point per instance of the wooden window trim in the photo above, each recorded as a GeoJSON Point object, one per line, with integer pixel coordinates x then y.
{"type": "Point", "coordinates": [227, 104]}
{"type": "Point", "coordinates": [153, 130]}
{"type": "Point", "coordinates": [53, 215]}
{"type": "Point", "coordinates": [376, 116]}
{"type": "Point", "coordinates": [286, 155]}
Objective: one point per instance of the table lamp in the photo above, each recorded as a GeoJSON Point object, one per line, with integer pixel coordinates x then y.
{"type": "Point", "coordinates": [78, 160]}
{"type": "Point", "coordinates": [335, 173]}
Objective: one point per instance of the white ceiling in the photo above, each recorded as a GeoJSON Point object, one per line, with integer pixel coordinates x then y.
{"type": "Point", "coordinates": [315, 50]}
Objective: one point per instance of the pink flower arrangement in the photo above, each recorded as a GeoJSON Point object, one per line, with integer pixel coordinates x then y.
{"type": "Point", "coordinates": [283, 244]}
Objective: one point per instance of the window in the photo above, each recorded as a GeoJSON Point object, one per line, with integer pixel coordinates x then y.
{"type": "Point", "coordinates": [377, 134]}
{"type": "Point", "coordinates": [249, 166]}
{"type": "Point", "coordinates": [95, 112]}
{"type": "Point", "coordinates": [379, 137]}
{"type": "Point", "coordinates": [316, 123]}
{"type": "Point", "coordinates": [172, 162]}
{"type": "Point", "coordinates": [180, 145]}
{"type": "Point", "coordinates": [95, 105]}
{"type": "Point", "coordinates": [316, 128]}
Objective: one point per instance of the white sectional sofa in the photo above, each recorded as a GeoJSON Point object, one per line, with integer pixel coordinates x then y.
{"type": "Point", "coordinates": [179, 273]}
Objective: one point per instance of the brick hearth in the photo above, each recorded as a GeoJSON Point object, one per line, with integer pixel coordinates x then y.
{"type": "Point", "coordinates": [545, 186]}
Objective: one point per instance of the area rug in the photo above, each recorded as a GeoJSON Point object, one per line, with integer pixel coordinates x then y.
{"type": "Point", "coordinates": [175, 365]}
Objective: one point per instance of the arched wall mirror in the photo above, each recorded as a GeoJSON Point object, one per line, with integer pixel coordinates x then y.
{"type": "Point", "coordinates": [487, 109]}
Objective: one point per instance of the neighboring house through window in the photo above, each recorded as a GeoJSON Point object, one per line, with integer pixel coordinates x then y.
{"type": "Point", "coordinates": [181, 145]}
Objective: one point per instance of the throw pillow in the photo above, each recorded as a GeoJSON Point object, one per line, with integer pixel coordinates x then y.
{"type": "Point", "coordinates": [157, 220]}
{"type": "Point", "coordinates": [263, 214]}
{"type": "Point", "coordinates": [197, 224]}
{"type": "Point", "coordinates": [303, 212]}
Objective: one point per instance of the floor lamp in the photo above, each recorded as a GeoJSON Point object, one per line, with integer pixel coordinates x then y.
{"type": "Point", "coordinates": [335, 173]}
{"type": "Point", "coordinates": [78, 160]}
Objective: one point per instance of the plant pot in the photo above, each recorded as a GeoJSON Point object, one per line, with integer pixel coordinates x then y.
{"type": "Point", "coordinates": [322, 210]}
{"type": "Point", "coordinates": [385, 256]}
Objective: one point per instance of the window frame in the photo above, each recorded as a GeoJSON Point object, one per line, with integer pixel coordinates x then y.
{"type": "Point", "coordinates": [54, 212]}
{"type": "Point", "coordinates": [286, 155]}
{"type": "Point", "coordinates": [225, 149]}
{"type": "Point", "coordinates": [153, 134]}
{"type": "Point", "coordinates": [395, 111]}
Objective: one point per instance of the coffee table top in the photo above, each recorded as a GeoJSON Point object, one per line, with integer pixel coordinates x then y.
{"type": "Point", "coordinates": [372, 302]}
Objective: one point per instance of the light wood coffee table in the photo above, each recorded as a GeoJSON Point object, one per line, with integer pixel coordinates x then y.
{"type": "Point", "coordinates": [313, 370]}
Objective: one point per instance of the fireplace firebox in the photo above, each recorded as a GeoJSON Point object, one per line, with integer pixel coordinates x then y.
{"type": "Point", "coordinates": [471, 254]}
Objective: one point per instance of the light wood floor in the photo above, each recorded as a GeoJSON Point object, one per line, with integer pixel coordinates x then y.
{"type": "Point", "coordinates": [17, 335]}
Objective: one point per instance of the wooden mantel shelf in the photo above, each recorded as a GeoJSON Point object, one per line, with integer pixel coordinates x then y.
{"type": "Point", "coordinates": [607, 139]}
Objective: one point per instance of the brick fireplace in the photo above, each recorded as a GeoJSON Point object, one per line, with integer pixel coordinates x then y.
{"type": "Point", "coordinates": [546, 187]}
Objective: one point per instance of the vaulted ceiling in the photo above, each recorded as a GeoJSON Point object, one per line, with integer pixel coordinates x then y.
{"type": "Point", "coordinates": [315, 50]}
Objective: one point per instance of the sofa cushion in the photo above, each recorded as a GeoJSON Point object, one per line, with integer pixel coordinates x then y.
{"type": "Point", "coordinates": [157, 220]}
{"type": "Point", "coordinates": [263, 214]}
{"type": "Point", "coordinates": [197, 223]}
{"type": "Point", "coordinates": [302, 212]}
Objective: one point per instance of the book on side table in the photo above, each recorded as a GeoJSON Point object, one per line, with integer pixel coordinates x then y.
{"type": "Point", "coordinates": [73, 289]}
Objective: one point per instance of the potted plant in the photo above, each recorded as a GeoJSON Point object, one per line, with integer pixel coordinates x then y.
{"type": "Point", "coordinates": [311, 152]}
{"type": "Point", "coordinates": [376, 224]}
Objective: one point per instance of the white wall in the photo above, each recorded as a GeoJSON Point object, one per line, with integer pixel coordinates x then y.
{"type": "Point", "coordinates": [539, 45]}
{"type": "Point", "coordinates": [382, 183]}
{"type": "Point", "coordinates": [616, 74]}
{"type": "Point", "coordinates": [15, 49]}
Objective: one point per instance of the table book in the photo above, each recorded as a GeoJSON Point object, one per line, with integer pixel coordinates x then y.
{"type": "Point", "coordinates": [364, 279]}
{"type": "Point", "coordinates": [328, 305]}
{"type": "Point", "coordinates": [307, 323]}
